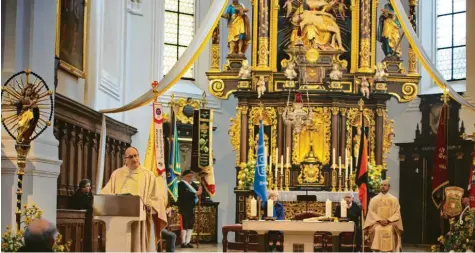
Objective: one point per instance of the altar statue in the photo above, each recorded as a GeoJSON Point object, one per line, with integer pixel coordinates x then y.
{"type": "Point", "coordinates": [336, 74]}
{"type": "Point", "coordinates": [245, 71]}
{"type": "Point", "coordinates": [28, 113]}
{"type": "Point", "coordinates": [261, 86]}
{"type": "Point", "coordinates": [364, 87]}
{"type": "Point", "coordinates": [388, 32]}
{"type": "Point", "coordinates": [319, 27]}
{"type": "Point", "coordinates": [238, 25]}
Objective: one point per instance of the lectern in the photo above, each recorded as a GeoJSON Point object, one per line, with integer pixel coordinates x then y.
{"type": "Point", "coordinates": [118, 212]}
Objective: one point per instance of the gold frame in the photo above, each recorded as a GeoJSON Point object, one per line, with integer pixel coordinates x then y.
{"type": "Point", "coordinates": [352, 115]}
{"type": "Point", "coordinates": [64, 65]}
{"type": "Point", "coordinates": [270, 113]}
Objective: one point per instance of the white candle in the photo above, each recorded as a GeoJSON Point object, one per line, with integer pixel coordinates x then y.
{"type": "Point", "coordinates": [343, 208]}
{"type": "Point", "coordinates": [282, 165]}
{"type": "Point", "coordinates": [334, 157]}
{"type": "Point", "coordinates": [339, 167]}
{"type": "Point", "coordinates": [287, 156]}
{"type": "Point", "coordinates": [328, 208]}
{"type": "Point", "coordinates": [276, 162]}
{"type": "Point", "coordinates": [346, 164]}
{"type": "Point", "coordinates": [253, 207]}
{"type": "Point", "coordinates": [270, 208]}
{"type": "Point", "coordinates": [351, 164]}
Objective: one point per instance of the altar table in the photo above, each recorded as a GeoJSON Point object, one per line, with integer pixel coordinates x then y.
{"type": "Point", "coordinates": [299, 233]}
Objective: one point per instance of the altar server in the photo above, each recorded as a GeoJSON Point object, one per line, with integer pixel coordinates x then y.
{"type": "Point", "coordinates": [353, 213]}
{"type": "Point", "coordinates": [134, 179]}
{"type": "Point", "coordinates": [383, 222]}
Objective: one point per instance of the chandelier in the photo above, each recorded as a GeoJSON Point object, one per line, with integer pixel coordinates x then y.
{"type": "Point", "coordinates": [296, 115]}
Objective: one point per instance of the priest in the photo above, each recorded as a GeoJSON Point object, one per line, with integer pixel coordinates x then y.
{"type": "Point", "coordinates": [134, 179]}
{"type": "Point", "coordinates": [383, 222]}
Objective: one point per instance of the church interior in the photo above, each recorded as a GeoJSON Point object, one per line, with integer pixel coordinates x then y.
{"type": "Point", "coordinates": [239, 125]}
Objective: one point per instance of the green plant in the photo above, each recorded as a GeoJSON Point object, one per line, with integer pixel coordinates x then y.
{"type": "Point", "coordinates": [461, 237]}
{"type": "Point", "coordinates": [374, 176]}
{"type": "Point", "coordinates": [13, 240]}
{"type": "Point", "coordinates": [246, 176]}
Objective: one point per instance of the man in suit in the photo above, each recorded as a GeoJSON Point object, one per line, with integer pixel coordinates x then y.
{"type": "Point", "coordinates": [188, 193]}
{"type": "Point", "coordinates": [354, 214]}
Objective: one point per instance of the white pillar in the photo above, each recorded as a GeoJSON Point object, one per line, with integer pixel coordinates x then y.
{"type": "Point", "coordinates": [466, 115]}
{"type": "Point", "coordinates": [30, 41]}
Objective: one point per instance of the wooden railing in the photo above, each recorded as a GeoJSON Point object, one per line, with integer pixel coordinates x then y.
{"type": "Point", "coordinates": [77, 128]}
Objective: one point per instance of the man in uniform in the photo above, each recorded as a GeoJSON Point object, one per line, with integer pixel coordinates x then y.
{"type": "Point", "coordinates": [188, 193]}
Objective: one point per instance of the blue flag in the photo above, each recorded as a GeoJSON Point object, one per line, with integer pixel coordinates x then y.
{"type": "Point", "coordinates": [174, 169]}
{"type": "Point", "coordinates": [260, 177]}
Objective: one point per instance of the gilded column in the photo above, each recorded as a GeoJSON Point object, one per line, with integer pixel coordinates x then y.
{"type": "Point", "coordinates": [365, 38]}
{"type": "Point", "coordinates": [379, 136]}
{"type": "Point", "coordinates": [280, 130]}
{"type": "Point", "coordinates": [335, 133]}
{"type": "Point", "coordinates": [215, 50]}
{"type": "Point", "coordinates": [244, 140]}
{"type": "Point", "coordinates": [263, 33]}
{"type": "Point", "coordinates": [343, 133]}
{"type": "Point", "coordinates": [412, 68]}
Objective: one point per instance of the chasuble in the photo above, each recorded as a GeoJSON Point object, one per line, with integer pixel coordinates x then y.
{"type": "Point", "coordinates": [384, 238]}
{"type": "Point", "coordinates": [140, 182]}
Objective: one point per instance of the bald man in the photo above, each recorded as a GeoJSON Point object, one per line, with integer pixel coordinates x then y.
{"type": "Point", "coordinates": [383, 222]}
{"type": "Point", "coordinates": [39, 237]}
{"type": "Point", "coordinates": [134, 179]}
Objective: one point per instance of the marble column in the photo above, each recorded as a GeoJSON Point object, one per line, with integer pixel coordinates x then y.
{"type": "Point", "coordinates": [30, 44]}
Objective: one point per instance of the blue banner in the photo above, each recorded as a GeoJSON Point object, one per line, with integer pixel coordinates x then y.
{"type": "Point", "coordinates": [260, 177]}
{"type": "Point", "coordinates": [174, 170]}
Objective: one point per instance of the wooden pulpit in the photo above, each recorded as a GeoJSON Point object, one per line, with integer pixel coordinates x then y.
{"type": "Point", "coordinates": [118, 212]}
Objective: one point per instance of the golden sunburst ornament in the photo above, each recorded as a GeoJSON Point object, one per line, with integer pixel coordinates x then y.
{"type": "Point", "coordinates": [312, 55]}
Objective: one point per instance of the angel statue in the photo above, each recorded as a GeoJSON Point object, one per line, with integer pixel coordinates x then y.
{"type": "Point", "coordinates": [261, 87]}
{"type": "Point", "coordinates": [336, 73]}
{"type": "Point", "coordinates": [290, 72]}
{"type": "Point", "coordinates": [288, 7]}
{"type": "Point", "coordinates": [365, 87]}
{"type": "Point", "coordinates": [380, 74]}
{"type": "Point", "coordinates": [388, 31]}
{"type": "Point", "coordinates": [245, 71]}
{"type": "Point", "coordinates": [238, 24]}
{"type": "Point", "coordinates": [28, 113]}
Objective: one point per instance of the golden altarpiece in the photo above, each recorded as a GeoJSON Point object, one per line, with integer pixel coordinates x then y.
{"type": "Point", "coordinates": [313, 77]}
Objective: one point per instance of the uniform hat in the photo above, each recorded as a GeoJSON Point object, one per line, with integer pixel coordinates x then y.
{"type": "Point", "coordinates": [186, 172]}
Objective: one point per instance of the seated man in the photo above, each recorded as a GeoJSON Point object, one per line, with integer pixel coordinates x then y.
{"type": "Point", "coordinates": [169, 236]}
{"type": "Point", "coordinates": [354, 214]}
{"type": "Point", "coordinates": [39, 236]}
{"type": "Point", "coordinates": [383, 221]}
{"type": "Point", "coordinates": [279, 214]}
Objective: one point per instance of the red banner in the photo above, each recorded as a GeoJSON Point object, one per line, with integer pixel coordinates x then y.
{"type": "Point", "coordinates": [440, 176]}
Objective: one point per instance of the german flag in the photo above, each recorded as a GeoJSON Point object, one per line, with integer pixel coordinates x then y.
{"type": "Point", "coordinates": [362, 171]}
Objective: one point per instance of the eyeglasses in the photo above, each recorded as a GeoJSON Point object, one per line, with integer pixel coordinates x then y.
{"type": "Point", "coordinates": [132, 156]}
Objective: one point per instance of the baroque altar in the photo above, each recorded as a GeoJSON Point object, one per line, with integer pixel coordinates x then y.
{"type": "Point", "coordinates": [313, 78]}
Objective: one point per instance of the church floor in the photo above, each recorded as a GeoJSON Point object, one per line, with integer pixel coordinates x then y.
{"type": "Point", "coordinates": [219, 248]}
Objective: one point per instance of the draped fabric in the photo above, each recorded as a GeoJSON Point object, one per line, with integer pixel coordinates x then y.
{"type": "Point", "coordinates": [440, 175]}
{"type": "Point", "coordinates": [423, 57]}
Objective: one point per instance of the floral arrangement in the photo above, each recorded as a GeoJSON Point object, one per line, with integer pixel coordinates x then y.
{"type": "Point", "coordinates": [374, 177]}
{"type": "Point", "coordinates": [246, 176]}
{"type": "Point", "coordinates": [461, 237]}
{"type": "Point", "coordinates": [13, 240]}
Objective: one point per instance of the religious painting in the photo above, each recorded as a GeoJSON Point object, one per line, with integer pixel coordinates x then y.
{"type": "Point", "coordinates": [321, 24]}
{"type": "Point", "coordinates": [71, 36]}
{"type": "Point", "coordinates": [185, 153]}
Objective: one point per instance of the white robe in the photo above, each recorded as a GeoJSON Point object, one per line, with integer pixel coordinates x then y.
{"type": "Point", "coordinates": [139, 182]}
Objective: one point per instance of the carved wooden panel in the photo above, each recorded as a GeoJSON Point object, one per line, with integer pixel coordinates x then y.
{"type": "Point", "coordinates": [71, 223]}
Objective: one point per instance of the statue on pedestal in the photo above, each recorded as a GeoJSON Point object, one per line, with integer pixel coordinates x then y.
{"type": "Point", "coordinates": [388, 32]}
{"type": "Point", "coordinates": [239, 34]}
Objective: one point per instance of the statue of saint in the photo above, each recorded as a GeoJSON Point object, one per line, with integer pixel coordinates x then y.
{"type": "Point", "coordinates": [319, 27]}
{"type": "Point", "coordinates": [388, 32]}
{"type": "Point", "coordinates": [239, 34]}
{"type": "Point", "coordinates": [28, 113]}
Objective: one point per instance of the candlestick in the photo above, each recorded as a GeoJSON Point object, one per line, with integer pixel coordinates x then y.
{"type": "Point", "coordinates": [351, 164]}
{"type": "Point", "coordinates": [287, 177]}
{"type": "Point", "coordinates": [340, 183]}
{"type": "Point", "coordinates": [339, 167]}
{"type": "Point", "coordinates": [346, 159]}
{"type": "Point", "coordinates": [334, 177]}
{"type": "Point", "coordinates": [282, 173]}
{"type": "Point", "coordinates": [328, 208]}
{"type": "Point", "coordinates": [343, 208]}
{"type": "Point", "coordinates": [347, 182]}
{"type": "Point", "coordinates": [276, 178]}
{"type": "Point", "coordinates": [270, 164]}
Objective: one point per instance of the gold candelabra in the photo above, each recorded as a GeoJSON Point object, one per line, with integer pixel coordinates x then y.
{"type": "Point", "coordinates": [334, 177]}
{"type": "Point", "coordinates": [287, 176]}
{"type": "Point", "coordinates": [281, 181]}
{"type": "Point", "coordinates": [347, 180]}
{"type": "Point", "coordinates": [340, 183]}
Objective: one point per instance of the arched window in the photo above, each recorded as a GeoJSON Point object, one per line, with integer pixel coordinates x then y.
{"type": "Point", "coordinates": [179, 31]}
{"type": "Point", "coordinates": [450, 39]}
